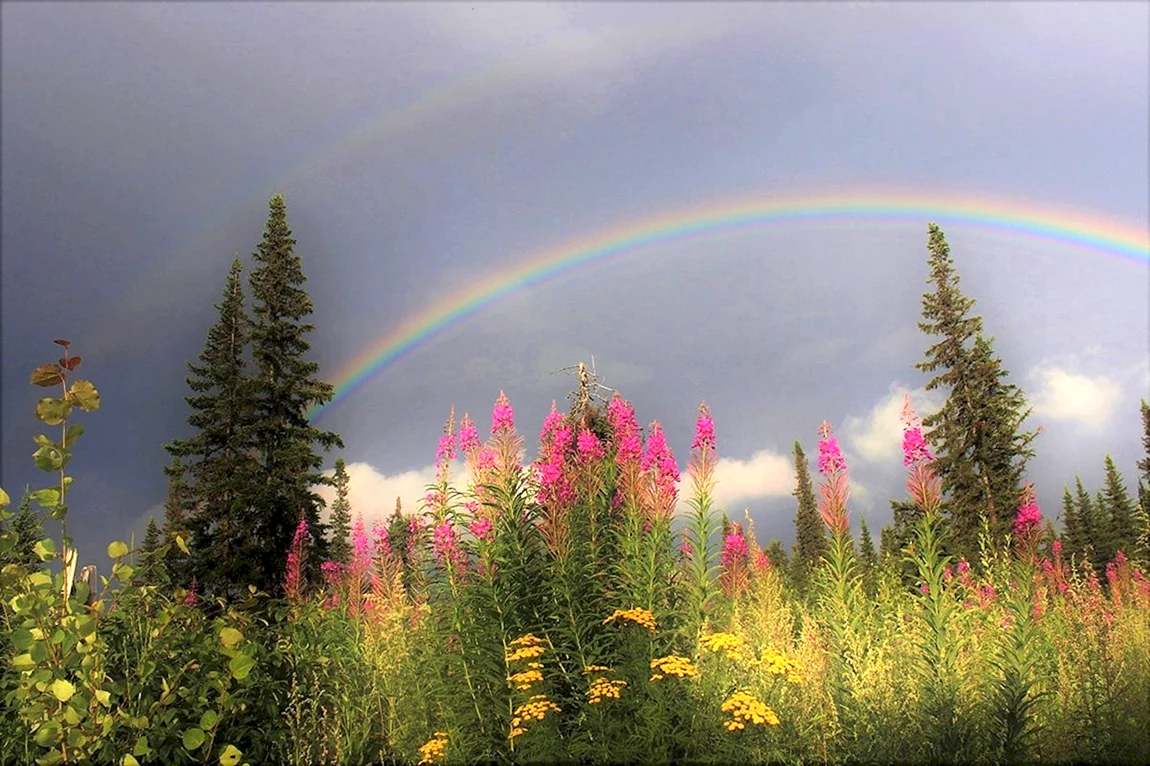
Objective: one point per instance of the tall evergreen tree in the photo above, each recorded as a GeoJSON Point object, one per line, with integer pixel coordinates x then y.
{"type": "Point", "coordinates": [810, 536]}
{"type": "Point", "coordinates": [285, 387]}
{"type": "Point", "coordinates": [152, 566]}
{"type": "Point", "coordinates": [868, 558]}
{"type": "Point", "coordinates": [1074, 538]}
{"type": "Point", "coordinates": [980, 452]}
{"type": "Point", "coordinates": [341, 516]}
{"type": "Point", "coordinates": [29, 531]}
{"type": "Point", "coordinates": [179, 506]}
{"type": "Point", "coordinates": [1120, 510]}
{"type": "Point", "coordinates": [222, 466]}
{"type": "Point", "coordinates": [1092, 535]}
{"type": "Point", "coordinates": [1144, 463]}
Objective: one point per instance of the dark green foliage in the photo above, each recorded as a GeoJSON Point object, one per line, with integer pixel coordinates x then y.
{"type": "Point", "coordinates": [151, 561]}
{"type": "Point", "coordinates": [282, 390]}
{"type": "Point", "coordinates": [1074, 538]}
{"type": "Point", "coordinates": [868, 558]}
{"type": "Point", "coordinates": [340, 517]}
{"type": "Point", "coordinates": [896, 537]}
{"type": "Point", "coordinates": [776, 553]}
{"type": "Point", "coordinates": [178, 508]}
{"type": "Point", "coordinates": [810, 536]}
{"type": "Point", "coordinates": [29, 531]}
{"type": "Point", "coordinates": [1121, 511]}
{"type": "Point", "coordinates": [981, 453]}
{"type": "Point", "coordinates": [222, 464]}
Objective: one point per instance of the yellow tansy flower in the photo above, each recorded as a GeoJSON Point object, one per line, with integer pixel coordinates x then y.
{"type": "Point", "coordinates": [603, 688]}
{"type": "Point", "coordinates": [673, 665]}
{"type": "Point", "coordinates": [638, 615]}
{"type": "Point", "coordinates": [434, 749]}
{"type": "Point", "coordinates": [728, 643]}
{"type": "Point", "coordinates": [745, 708]}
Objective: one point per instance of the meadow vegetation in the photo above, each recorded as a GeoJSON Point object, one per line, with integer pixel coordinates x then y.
{"type": "Point", "coordinates": [563, 610]}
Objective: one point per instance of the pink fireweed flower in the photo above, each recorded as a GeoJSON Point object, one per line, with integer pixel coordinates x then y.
{"type": "Point", "coordinates": [360, 550]}
{"type": "Point", "coordinates": [480, 528]}
{"type": "Point", "coordinates": [552, 423]}
{"type": "Point", "coordinates": [1029, 517]}
{"type": "Point", "coordinates": [629, 445]}
{"type": "Point", "coordinates": [733, 576]}
{"type": "Point", "coordinates": [332, 572]}
{"type": "Point", "coordinates": [382, 540]}
{"type": "Point", "coordinates": [762, 561]}
{"type": "Point", "coordinates": [486, 459]}
{"type": "Point", "coordinates": [190, 598]}
{"type": "Point", "coordinates": [589, 447]}
{"type": "Point", "coordinates": [468, 435]}
{"type": "Point", "coordinates": [445, 452]}
{"type": "Point", "coordinates": [445, 545]}
{"type": "Point", "coordinates": [704, 429]}
{"type": "Point", "coordinates": [293, 579]}
{"type": "Point", "coordinates": [834, 491]}
{"type": "Point", "coordinates": [664, 474]}
{"type": "Point", "coordinates": [685, 548]}
{"type": "Point", "coordinates": [502, 415]}
{"type": "Point", "coordinates": [734, 546]}
{"type": "Point", "coordinates": [830, 457]}
{"type": "Point", "coordinates": [914, 447]}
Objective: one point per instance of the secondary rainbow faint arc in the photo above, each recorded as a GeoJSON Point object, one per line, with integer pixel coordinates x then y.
{"type": "Point", "coordinates": [1084, 230]}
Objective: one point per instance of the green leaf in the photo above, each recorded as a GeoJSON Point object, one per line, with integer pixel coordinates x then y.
{"type": "Point", "coordinates": [53, 411]}
{"type": "Point", "coordinates": [49, 458]}
{"type": "Point", "coordinates": [209, 719]}
{"type": "Point", "coordinates": [194, 738]}
{"type": "Point", "coordinates": [230, 756]}
{"type": "Point", "coordinates": [104, 697]}
{"type": "Point", "coordinates": [46, 498]}
{"type": "Point", "coordinates": [142, 747]}
{"type": "Point", "coordinates": [122, 571]}
{"type": "Point", "coordinates": [47, 375]}
{"type": "Point", "coordinates": [183, 546]}
{"type": "Point", "coordinates": [22, 639]}
{"type": "Point", "coordinates": [129, 760]}
{"type": "Point", "coordinates": [73, 432]}
{"type": "Point", "coordinates": [45, 549]}
{"type": "Point", "coordinates": [4, 499]}
{"type": "Point", "coordinates": [241, 665]}
{"type": "Point", "coordinates": [117, 550]}
{"type": "Point", "coordinates": [23, 662]}
{"type": "Point", "coordinates": [48, 734]}
{"type": "Point", "coordinates": [63, 690]}
{"type": "Point", "coordinates": [83, 393]}
{"type": "Point", "coordinates": [230, 637]}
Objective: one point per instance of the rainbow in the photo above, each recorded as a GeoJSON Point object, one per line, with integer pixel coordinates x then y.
{"type": "Point", "coordinates": [1028, 219]}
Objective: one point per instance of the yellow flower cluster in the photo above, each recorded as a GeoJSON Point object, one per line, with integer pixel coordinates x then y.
{"type": "Point", "coordinates": [672, 665]}
{"type": "Point", "coordinates": [529, 647]}
{"type": "Point", "coordinates": [595, 669]}
{"type": "Point", "coordinates": [745, 707]}
{"type": "Point", "coordinates": [535, 708]}
{"type": "Point", "coordinates": [638, 615]}
{"type": "Point", "coordinates": [775, 663]}
{"type": "Point", "coordinates": [523, 681]}
{"type": "Point", "coordinates": [602, 688]}
{"type": "Point", "coordinates": [434, 748]}
{"type": "Point", "coordinates": [728, 643]}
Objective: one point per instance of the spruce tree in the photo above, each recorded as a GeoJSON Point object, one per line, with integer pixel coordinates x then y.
{"type": "Point", "coordinates": [152, 566]}
{"type": "Point", "coordinates": [29, 531]}
{"type": "Point", "coordinates": [220, 462]}
{"type": "Point", "coordinates": [179, 505]}
{"type": "Point", "coordinates": [1144, 463]}
{"type": "Point", "coordinates": [286, 385]}
{"type": "Point", "coordinates": [1074, 538]}
{"type": "Point", "coordinates": [1088, 520]}
{"type": "Point", "coordinates": [980, 452]}
{"type": "Point", "coordinates": [868, 558]}
{"type": "Point", "coordinates": [340, 516]}
{"type": "Point", "coordinates": [1121, 512]}
{"type": "Point", "coordinates": [810, 536]}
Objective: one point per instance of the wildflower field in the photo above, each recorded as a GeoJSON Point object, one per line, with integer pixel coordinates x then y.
{"type": "Point", "coordinates": [561, 611]}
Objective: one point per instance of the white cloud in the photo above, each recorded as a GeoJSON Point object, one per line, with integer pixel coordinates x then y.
{"type": "Point", "coordinates": [877, 436]}
{"type": "Point", "coordinates": [373, 494]}
{"type": "Point", "coordinates": [763, 474]}
{"type": "Point", "coordinates": [1061, 393]}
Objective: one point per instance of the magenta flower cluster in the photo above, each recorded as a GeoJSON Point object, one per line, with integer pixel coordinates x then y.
{"type": "Point", "coordinates": [734, 547]}
{"type": "Point", "coordinates": [293, 579]}
{"type": "Point", "coordinates": [704, 430]}
{"type": "Point", "coordinates": [468, 434]}
{"type": "Point", "coordinates": [629, 443]}
{"type": "Point", "coordinates": [660, 458]}
{"type": "Point", "coordinates": [830, 456]}
{"type": "Point", "coordinates": [1028, 519]}
{"type": "Point", "coordinates": [588, 446]}
{"type": "Point", "coordinates": [502, 415]}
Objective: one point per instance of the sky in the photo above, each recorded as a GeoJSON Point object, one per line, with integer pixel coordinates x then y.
{"type": "Point", "coordinates": [428, 152]}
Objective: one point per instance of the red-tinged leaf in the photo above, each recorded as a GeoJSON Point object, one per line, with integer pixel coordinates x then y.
{"type": "Point", "coordinates": [62, 342]}
{"type": "Point", "coordinates": [47, 375]}
{"type": "Point", "coordinates": [73, 363]}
